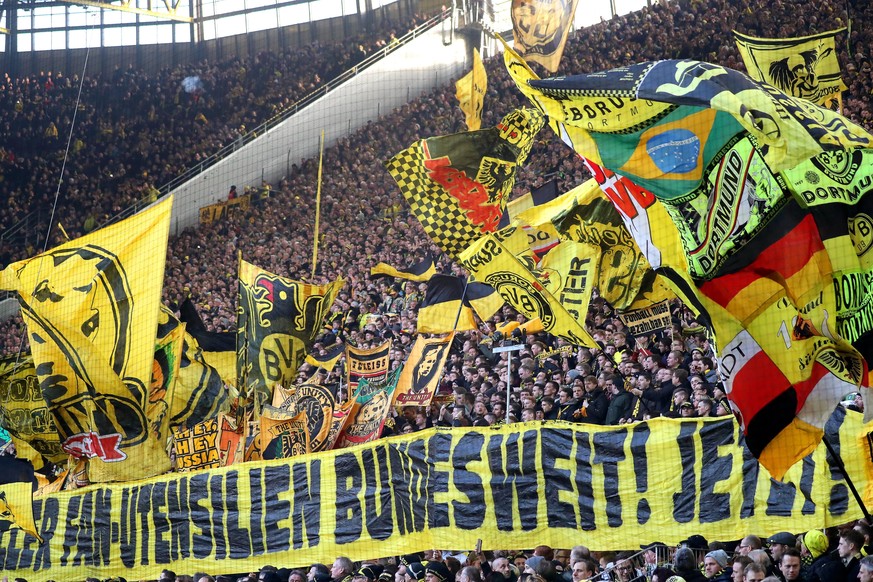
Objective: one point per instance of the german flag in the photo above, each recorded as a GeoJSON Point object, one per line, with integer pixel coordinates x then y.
{"type": "Point", "coordinates": [420, 271]}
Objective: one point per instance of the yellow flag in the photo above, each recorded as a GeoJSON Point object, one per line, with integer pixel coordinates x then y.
{"type": "Point", "coordinates": [470, 92]}
{"type": "Point", "coordinates": [541, 293]}
{"type": "Point", "coordinates": [16, 496]}
{"type": "Point", "coordinates": [540, 29]}
{"type": "Point", "coordinates": [421, 374]}
{"type": "Point", "coordinates": [91, 306]}
{"type": "Point", "coordinates": [804, 67]}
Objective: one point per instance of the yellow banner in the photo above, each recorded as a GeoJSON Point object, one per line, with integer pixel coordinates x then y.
{"type": "Point", "coordinates": [214, 212]}
{"type": "Point", "coordinates": [514, 486]}
{"type": "Point", "coordinates": [195, 447]}
{"type": "Point", "coordinates": [470, 92]}
{"type": "Point", "coordinates": [540, 29]}
{"type": "Point", "coordinates": [361, 363]}
{"type": "Point", "coordinates": [646, 320]}
{"type": "Point", "coordinates": [91, 307]}
{"type": "Point", "coordinates": [533, 293]}
{"type": "Point", "coordinates": [422, 371]}
{"type": "Point", "coordinates": [805, 67]}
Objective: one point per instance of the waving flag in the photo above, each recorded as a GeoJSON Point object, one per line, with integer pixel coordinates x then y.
{"type": "Point", "coordinates": [470, 92]}
{"type": "Point", "coordinates": [91, 306]}
{"type": "Point", "coordinates": [420, 271]}
{"type": "Point", "coordinates": [805, 67]}
{"type": "Point", "coordinates": [278, 319]}
{"type": "Point", "coordinates": [458, 185]}
{"type": "Point", "coordinates": [540, 29]}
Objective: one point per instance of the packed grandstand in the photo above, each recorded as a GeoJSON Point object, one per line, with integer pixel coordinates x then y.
{"type": "Point", "coordinates": [136, 131]}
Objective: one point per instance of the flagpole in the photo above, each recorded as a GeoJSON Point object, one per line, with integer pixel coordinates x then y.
{"type": "Point", "coordinates": [317, 207]}
{"type": "Point", "coordinates": [839, 461]}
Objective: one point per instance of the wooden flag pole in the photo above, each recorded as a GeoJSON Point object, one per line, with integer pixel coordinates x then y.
{"type": "Point", "coordinates": [317, 208]}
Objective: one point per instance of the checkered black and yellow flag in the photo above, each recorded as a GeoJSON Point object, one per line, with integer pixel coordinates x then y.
{"type": "Point", "coordinates": [458, 185]}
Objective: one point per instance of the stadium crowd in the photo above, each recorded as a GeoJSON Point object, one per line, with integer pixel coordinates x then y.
{"type": "Point", "coordinates": [155, 129]}
{"type": "Point", "coordinates": [836, 555]}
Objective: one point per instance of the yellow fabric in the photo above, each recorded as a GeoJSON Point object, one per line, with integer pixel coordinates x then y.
{"type": "Point", "coordinates": [540, 29]}
{"type": "Point", "coordinates": [470, 91]}
{"type": "Point", "coordinates": [512, 486]}
{"type": "Point", "coordinates": [805, 67]}
{"type": "Point", "coordinates": [93, 303]}
{"type": "Point", "coordinates": [16, 508]}
{"type": "Point", "coordinates": [422, 371]}
{"type": "Point", "coordinates": [565, 279]}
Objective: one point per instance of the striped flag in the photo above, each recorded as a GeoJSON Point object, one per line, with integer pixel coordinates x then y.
{"type": "Point", "coordinates": [420, 271]}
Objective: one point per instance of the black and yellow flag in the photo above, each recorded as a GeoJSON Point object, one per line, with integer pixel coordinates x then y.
{"type": "Point", "coordinates": [805, 67]}
{"type": "Point", "coordinates": [283, 435]}
{"type": "Point", "coordinates": [442, 306]}
{"type": "Point", "coordinates": [277, 320]}
{"type": "Point", "coordinates": [557, 293]}
{"type": "Point", "coordinates": [421, 374]}
{"type": "Point", "coordinates": [540, 29]}
{"type": "Point", "coordinates": [420, 271]}
{"type": "Point", "coordinates": [470, 92]}
{"type": "Point", "coordinates": [458, 185]}
{"type": "Point", "coordinates": [17, 484]}
{"type": "Point", "coordinates": [91, 306]}
{"type": "Point", "coordinates": [218, 349]}
{"type": "Point", "coordinates": [198, 393]}
{"type": "Point", "coordinates": [371, 405]}
{"type": "Point", "coordinates": [326, 358]}
{"type": "Point", "coordinates": [25, 414]}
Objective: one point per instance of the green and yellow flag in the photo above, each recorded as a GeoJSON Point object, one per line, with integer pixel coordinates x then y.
{"type": "Point", "coordinates": [458, 185]}
{"type": "Point", "coordinates": [540, 29]}
{"type": "Point", "coordinates": [91, 307]}
{"type": "Point", "coordinates": [470, 92]}
{"type": "Point", "coordinates": [805, 67]}
{"type": "Point", "coordinates": [278, 319]}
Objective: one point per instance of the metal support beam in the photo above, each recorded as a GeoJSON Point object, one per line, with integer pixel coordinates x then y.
{"type": "Point", "coordinates": [125, 6]}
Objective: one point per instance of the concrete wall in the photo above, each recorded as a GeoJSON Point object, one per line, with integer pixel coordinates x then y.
{"type": "Point", "coordinates": [432, 60]}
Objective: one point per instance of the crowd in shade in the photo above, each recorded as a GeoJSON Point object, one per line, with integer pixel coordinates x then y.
{"type": "Point", "coordinates": [835, 555]}
{"type": "Point", "coordinates": [154, 130]}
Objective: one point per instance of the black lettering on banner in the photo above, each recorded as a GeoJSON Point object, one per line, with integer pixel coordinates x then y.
{"type": "Point", "coordinates": [216, 502]}
{"type": "Point", "coordinates": [781, 498]}
{"type": "Point", "coordinates": [715, 507]}
{"type": "Point", "coordinates": [144, 510]}
{"type": "Point", "coordinates": [583, 481]}
{"type": "Point", "coordinates": [127, 535]}
{"type": "Point", "coordinates": [750, 483]}
{"type": "Point", "coordinates": [379, 515]}
{"type": "Point", "coordinates": [348, 509]}
{"type": "Point", "coordinates": [471, 515]}
{"type": "Point", "coordinates": [306, 513]}
{"type": "Point", "coordinates": [238, 538]}
{"type": "Point", "coordinates": [639, 438]}
{"type": "Point", "coordinates": [517, 477]}
{"type": "Point", "coordinates": [806, 478]}
{"type": "Point", "coordinates": [839, 497]}
{"type": "Point", "coordinates": [439, 447]}
{"type": "Point", "coordinates": [278, 480]}
{"type": "Point", "coordinates": [557, 444]}
{"type": "Point", "coordinates": [161, 522]}
{"type": "Point", "coordinates": [685, 500]}
{"type": "Point", "coordinates": [197, 491]}
{"type": "Point", "coordinates": [46, 515]}
{"type": "Point", "coordinates": [256, 517]}
{"type": "Point", "coordinates": [83, 534]}
{"type": "Point", "coordinates": [180, 532]}
{"type": "Point", "coordinates": [417, 484]}
{"type": "Point", "coordinates": [71, 529]}
{"type": "Point", "coordinates": [609, 452]}
{"type": "Point", "coordinates": [10, 557]}
{"type": "Point", "coordinates": [402, 506]}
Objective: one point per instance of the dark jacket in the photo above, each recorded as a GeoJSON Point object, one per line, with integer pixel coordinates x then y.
{"type": "Point", "coordinates": [826, 568]}
{"type": "Point", "coordinates": [620, 407]}
{"type": "Point", "coordinates": [598, 404]}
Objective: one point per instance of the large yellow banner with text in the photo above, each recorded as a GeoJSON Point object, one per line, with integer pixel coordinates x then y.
{"type": "Point", "coordinates": [513, 486]}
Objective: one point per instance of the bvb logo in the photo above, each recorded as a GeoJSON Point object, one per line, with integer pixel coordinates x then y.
{"type": "Point", "coordinates": [861, 233]}
{"type": "Point", "coordinates": [278, 358]}
{"type": "Point", "coordinates": [522, 295]}
{"type": "Point", "coordinates": [94, 287]}
{"type": "Point", "coordinates": [839, 165]}
{"type": "Point", "coordinates": [317, 402]}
